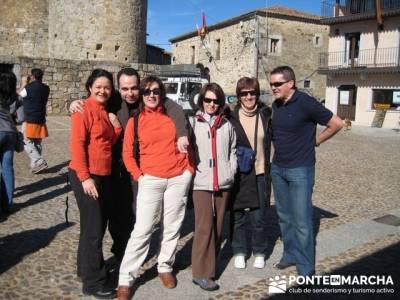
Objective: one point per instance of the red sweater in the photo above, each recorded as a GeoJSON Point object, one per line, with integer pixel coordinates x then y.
{"type": "Point", "coordinates": [159, 155]}
{"type": "Point", "coordinates": [92, 137]}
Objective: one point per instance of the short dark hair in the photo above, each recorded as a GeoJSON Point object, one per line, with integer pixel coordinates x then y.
{"type": "Point", "coordinates": [8, 88]}
{"type": "Point", "coordinates": [128, 72]}
{"type": "Point", "coordinates": [97, 73]}
{"type": "Point", "coordinates": [217, 90]}
{"type": "Point", "coordinates": [287, 73]}
{"type": "Point", "coordinates": [248, 83]}
{"type": "Point", "coordinates": [37, 73]}
{"type": "Point", "coordinates": [148, 80]}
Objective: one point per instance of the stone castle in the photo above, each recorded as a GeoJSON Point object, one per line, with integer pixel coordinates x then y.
{"type": "Point", "coordinates": [67, 39]}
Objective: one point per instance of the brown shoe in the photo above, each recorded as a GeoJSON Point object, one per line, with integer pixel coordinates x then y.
{"type": "Point", "coordinates": [168, 279]}
{"type": "Point", "coordinates": [124, 292]}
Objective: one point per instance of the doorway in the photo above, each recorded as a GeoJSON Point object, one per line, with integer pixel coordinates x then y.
{"type": "Point", "coordinates": [347, 102]}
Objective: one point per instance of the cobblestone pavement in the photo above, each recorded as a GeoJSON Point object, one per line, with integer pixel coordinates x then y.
{"type": "Point", "coordinates": [357, 177]}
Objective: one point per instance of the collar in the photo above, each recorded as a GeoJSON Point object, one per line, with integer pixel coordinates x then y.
{"type": "Point", "coordinates": [157, 110]}
{"type": "Point", "coordinates": [96, 103]}
{"type": "Point", "coordinates": [292, 99]}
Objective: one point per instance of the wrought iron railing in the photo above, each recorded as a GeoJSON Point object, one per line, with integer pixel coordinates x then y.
{"type": "Point", "coordinates": [368, 58]}
{"type": "Point", "coordinates": [333, 8]}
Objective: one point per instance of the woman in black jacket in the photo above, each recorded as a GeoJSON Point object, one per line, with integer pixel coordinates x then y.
{"type": "Point", "coordinates": [252, 189]}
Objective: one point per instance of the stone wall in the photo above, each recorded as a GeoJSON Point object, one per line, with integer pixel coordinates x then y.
{"type": "Point", "coordinates": [74, 29]}
{"type": "Point", "coordinates": [66, 78]}
{"type": "Point", "coordinates": [299, 48]}
{"type": "Point", "coordinates": [24, 28]}
{"type": "Point", "coordinates": [236, 53]}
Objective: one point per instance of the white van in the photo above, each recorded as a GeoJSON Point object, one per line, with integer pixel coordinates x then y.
{"type": "Point", "coordinates": [183, 90]}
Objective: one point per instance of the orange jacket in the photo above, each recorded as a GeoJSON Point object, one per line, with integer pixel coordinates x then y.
{"type": "Point", "coordinates": [92, 137]}
{"type": "Point", "coordinates": [159, 155]}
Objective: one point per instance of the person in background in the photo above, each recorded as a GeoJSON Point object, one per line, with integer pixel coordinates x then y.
{"type": "Point", "coordinates": [8, 137]}
{"type": "Point", "coordinates": [35, 96]}
{"type": "Point", "coordinates": [252, 188]}
{"type": "Point", "coordinates": [93, 133]}
{"type": "Point", "coordinates": [294, 123]}
{"type": "Point", "coordinates": [124, 104]}
{"type": "Point", "coordinates": [164, 175]}
{"type": "Point", "coordinates": [216, 164]}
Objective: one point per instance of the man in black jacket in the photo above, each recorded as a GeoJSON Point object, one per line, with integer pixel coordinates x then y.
{"type": "Point", "coordinates": [35, 96]}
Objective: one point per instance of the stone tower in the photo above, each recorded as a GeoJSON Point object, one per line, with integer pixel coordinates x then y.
{"type": "Point", "coordinates": [106, 30]}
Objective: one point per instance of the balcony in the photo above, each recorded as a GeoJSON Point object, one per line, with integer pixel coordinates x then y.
{"type": "Point", "coordinates": [344, 10]}
{"type": "Point", "coordinates": [386, 58]}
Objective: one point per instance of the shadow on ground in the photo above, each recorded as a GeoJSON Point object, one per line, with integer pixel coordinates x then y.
{"type": "Point", "coordinates": [15, 247]}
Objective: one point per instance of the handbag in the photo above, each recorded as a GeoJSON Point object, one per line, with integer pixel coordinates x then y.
{"type": "Point", "coordinates": [19, 143]}
{"type": "Point", "coordinates": [245, 158]}
{"type": "Point", "coordinates": [245, 155]}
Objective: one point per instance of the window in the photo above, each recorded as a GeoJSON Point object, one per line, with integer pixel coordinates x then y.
{"type": "Point", "coordinates": [389, 99]}
{"type": "Point", "coordinates": [307, 84]}
{"type": "Point", "coordinates": [317, 40]}
{"type": "Point", "coordinates": [193, 55]}
{"type": "Point", "coordinates": [171, 88]}
{"type": "Point", "coordinates": [274, 46]}
{"type": "Point", "coordinates": [218, 49]}
{"type": "Point", "coordinates": [352, 47]}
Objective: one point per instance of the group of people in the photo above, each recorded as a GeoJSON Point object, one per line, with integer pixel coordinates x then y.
{"type": "Point", "coordinates": [26, 105]}
{"type": "Point", "coordinates": [136, 159]}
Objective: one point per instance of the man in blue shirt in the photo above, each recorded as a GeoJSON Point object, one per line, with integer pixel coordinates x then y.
{"type": "Point", "coordinates": [294, 120]}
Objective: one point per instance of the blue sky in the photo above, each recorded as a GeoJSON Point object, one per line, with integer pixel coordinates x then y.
{"type": "Point", "coordinates": [170, 18]}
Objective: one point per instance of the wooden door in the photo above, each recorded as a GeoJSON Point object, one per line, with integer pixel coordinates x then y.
{"type": "Point", "coordinates": [347, 102]}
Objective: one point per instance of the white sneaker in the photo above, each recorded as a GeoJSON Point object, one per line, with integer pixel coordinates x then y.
{"type": "Point", "coordinates": [259, 262]}
{"type": "Point", "coordinates": [240, 262]}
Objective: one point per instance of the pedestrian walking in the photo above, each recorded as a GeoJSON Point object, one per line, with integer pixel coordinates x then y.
{"type": "Point", "coordinates": [35, 96]}
{"type": "Point", "coordinates": [8, 139]}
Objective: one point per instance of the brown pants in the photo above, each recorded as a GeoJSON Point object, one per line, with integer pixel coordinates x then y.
{"type": "Point", "coordinates": [207, 232]}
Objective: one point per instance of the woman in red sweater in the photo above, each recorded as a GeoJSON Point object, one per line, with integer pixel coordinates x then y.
{"type": "Point", "coordinates": [93, 133]}
{"type": "Point", "coordinates": [164, 175]}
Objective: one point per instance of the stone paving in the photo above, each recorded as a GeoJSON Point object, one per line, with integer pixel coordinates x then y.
{"type": "Point", "coordinates": [357, 177]}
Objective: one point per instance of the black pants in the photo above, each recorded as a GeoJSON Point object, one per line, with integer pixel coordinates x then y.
{"type": "Point", "coordinates": [121, 213]}
{"type": "Point", "coordinates": [93, 221]}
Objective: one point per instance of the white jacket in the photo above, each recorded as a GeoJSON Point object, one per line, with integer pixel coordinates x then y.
{"type": "Point", "coordinates": [215, 152]}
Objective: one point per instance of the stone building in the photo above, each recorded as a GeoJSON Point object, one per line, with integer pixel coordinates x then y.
{"type": "Point", "coordinates": [254, 43]}
{"type": "Point", "coordinates": [362, 63]}
{"type": "Point", "coordinates": [67, 39]}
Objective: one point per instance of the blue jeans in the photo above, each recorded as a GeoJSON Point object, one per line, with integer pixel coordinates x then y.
{"type": "Point", "coordinates": [7, 146]}
{"type": "Point", "coordinates": [293, 189]}
{"type": "Point", "coordinates": [258, 222]}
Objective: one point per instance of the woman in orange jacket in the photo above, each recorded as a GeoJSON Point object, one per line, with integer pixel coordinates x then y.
{"type": "Point", "coordinates": [93, 133]}
{"type": "Point", "coordinates": [164, 175]}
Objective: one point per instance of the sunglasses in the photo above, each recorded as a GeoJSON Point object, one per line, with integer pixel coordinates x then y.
{"type": "Point", "coordinates": [147, 92]}
{"type": "Point", "coordinates": [278, 83]}
{"type": "Point", "coordinates": [209, 100]}
{"type": "Point", "coordinates": [245, 93]}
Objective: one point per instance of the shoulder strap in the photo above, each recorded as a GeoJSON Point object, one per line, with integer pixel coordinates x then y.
{"type": "Point", "coordinates": [136, 150]}
{"type": "Point", "coordinates": [255, 133]}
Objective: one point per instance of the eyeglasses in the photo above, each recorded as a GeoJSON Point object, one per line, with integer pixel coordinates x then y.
{"type": "Point", "coordinates": [278, 83]}
{"type": "Point", "coordinates": [147, 92]}
{"type": "Point", "coordinates": [209, 100]}
{"type": "Point", "coordinates": [245, 93]}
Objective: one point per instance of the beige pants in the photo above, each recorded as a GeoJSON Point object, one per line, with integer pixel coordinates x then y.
{"type": "Point", "coordinates": [156, 197]}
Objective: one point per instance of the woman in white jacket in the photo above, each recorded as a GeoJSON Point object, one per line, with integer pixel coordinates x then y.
{"type": "Point", "coordinates": [215, 157]}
